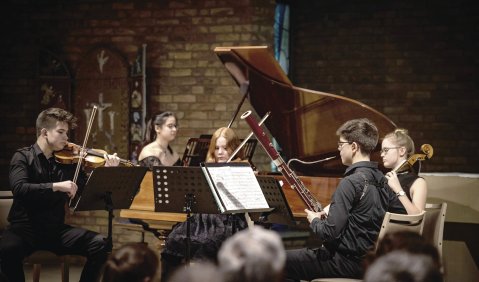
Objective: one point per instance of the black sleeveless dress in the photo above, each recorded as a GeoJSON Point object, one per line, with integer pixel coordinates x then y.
{"type": "Point", "coordinates": [152, 161]}
{"type": "Point", "coordinates": [406, 180]}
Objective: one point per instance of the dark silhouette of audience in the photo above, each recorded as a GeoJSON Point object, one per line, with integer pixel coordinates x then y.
{"type": "Point", "coordinates": [403, 240]}
{"type": "Point", "coordinates": [133, 262]}
{"type": "Point", "coordinates": [252, 255]}
{"type": "Point", "coordinates": [403, 266]}
{"type": "Point", "coordinates": [201, 271]}
{"type": "Point", "coordinates": [403, 256]}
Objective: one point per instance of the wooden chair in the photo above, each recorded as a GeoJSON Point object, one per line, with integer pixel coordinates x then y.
{"type": "Point", "coordinates": [434, 225]}
{"type": "Point", "coordinates": [6, 201]}
{"type": "Point", "coordinates": [394, 222]}
{"type": "Point", "coordinates": [39, 257]}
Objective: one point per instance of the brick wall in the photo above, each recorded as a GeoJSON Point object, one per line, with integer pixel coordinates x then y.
{"type": "Point", "coordinates": [414, 61]}
{"type": "Point", "coordinates": [183, 73]}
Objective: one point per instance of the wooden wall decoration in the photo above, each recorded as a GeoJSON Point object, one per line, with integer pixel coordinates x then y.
{"type": "Point", "coordinates": [54, 82]}
{"type": "Point", "coordinates": [102, 80]}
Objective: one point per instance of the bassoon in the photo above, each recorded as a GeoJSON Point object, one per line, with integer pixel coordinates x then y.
{"type": "Point", "coordinates": [311, 202]}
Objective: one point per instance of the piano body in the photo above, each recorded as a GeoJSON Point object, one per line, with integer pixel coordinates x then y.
{"type": "Point", "coordinates": [304, 123]}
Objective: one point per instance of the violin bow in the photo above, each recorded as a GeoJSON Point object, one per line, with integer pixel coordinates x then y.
{"type": "Point", "coordinates": [82, 149]}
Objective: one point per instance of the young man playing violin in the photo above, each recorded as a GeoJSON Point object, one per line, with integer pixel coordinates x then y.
{"type": "Point", "coordinates": [41, 188]}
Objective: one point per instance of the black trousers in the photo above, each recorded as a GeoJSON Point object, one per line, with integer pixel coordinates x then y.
{"type": "Point", "coordinates": [309, 264]}
{"type": "Point", "coordinates": [19, 242]}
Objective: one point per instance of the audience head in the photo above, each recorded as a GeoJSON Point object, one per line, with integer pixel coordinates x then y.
{"type": "Point", "coordinates": [407, 241]}
{"type": "Point", "coordinates": [162, 123]}
{"type": "Point", "coordinates": [396, 146]}
{"type": "Point", "coordinates": [133, 262]}
{"type": "Point", "coordinates": [223, 143]}
{"type": "Point", "coordinates": [197, 272]}
{"type": "Point", "coordinates": [48, 119]}
{"type": "Point", "coordinates": [401, 266]}
{"type": "Point", "coordinates": [252, 255]}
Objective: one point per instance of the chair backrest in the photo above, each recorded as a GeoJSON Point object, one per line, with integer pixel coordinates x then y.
{"type": "Point", "coordinates": [6, 200]}
{"type": "Point", "coordinates": [394, 222]}
{"type": "Point", "coordinates": [434, 224]}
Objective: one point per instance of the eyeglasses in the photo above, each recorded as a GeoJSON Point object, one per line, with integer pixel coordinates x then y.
{"type": "Point", "coordinates": [385, 150]}
{"type": "Point", "coordinates": [341, 144]}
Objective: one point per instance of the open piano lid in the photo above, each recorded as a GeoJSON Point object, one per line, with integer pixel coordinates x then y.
{"type": "Point", "coordinates": [303, 121]}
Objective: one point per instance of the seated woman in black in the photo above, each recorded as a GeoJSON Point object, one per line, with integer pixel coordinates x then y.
{"type": "Point", "coordinates": [161, 130]}
{"type": "Point", "coordinates": [208, 231]}
{"type": "Point", "coordinates": [411, 189]}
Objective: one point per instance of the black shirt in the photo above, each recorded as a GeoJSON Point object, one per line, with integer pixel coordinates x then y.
{"type": "Point", "coordinates": [31, 180]}
{"type": "Point", "coordinates": [354, 219]}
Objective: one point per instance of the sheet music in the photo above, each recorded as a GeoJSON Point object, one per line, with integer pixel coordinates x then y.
{"type": "Point", "coordinates": [236, 187]}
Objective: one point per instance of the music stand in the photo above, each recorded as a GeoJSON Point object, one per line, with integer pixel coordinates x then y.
{"type": "Point", "coordinates": [276, 199]}
{"type": "Point", "coordinates": [110, 188]}
{"type": "Point", "coordinates": [183, 190]}
{"type": "Point", "coordinates": [195, 151]}
{"type": "Point", "coordinates": [197, 148]}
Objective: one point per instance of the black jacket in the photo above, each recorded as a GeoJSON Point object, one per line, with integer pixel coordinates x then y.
{"type": "Point", "coordinates": [356, 212]}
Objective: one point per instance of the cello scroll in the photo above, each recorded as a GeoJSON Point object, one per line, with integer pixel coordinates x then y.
{"type": "Point", "coordinates": [407, 164]}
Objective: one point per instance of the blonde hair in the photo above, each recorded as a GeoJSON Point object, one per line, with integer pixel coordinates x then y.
{"type": "Point", "coordinates": [232, 142]}
{"type": "Point", "coordinates": [401, 138]}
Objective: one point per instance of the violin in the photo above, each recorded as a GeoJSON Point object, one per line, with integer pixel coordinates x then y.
{"type": "Point", "coordinates": [92, 157]}
{"type": "Point", "coordinates": [407, 164]}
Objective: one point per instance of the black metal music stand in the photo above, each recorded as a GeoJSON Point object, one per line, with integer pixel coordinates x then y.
{"type": "Point", "coordinates": [197, 148]}
{"type": "Point", "coordinates": [195, 151]}
{"type": "Point", "coordinates": [110, 188]}
{"type": "Point", "coordinates": [182, 190]}
{"type": "Point", "coordinates": [276, 199]}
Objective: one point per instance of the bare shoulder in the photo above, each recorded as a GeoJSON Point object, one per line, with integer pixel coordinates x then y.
{"type": "Point", "coordinates": [419, 184]}
{"type": "Point", "coordinates": [146, 151]}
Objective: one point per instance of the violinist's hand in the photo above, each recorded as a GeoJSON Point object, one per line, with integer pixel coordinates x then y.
{"type": "Point", "coordinates": [312, 215]}
{"type": "Point", "coordinates": [111, 160]}
{"type": "Point", "coordinates": [68, 187]}
{"type": "Point", "coordinates": [393, 181]}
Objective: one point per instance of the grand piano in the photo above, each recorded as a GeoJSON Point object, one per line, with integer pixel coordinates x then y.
{"type": "Point", "coordinates": [302, 121]}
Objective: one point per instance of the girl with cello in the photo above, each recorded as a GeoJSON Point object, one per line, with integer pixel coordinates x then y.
{"type": "Point", "coordinates": [411, 189]}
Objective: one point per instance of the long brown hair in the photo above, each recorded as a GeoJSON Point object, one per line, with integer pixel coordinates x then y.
{"type": "Point", "coordinates": [232, 142]}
